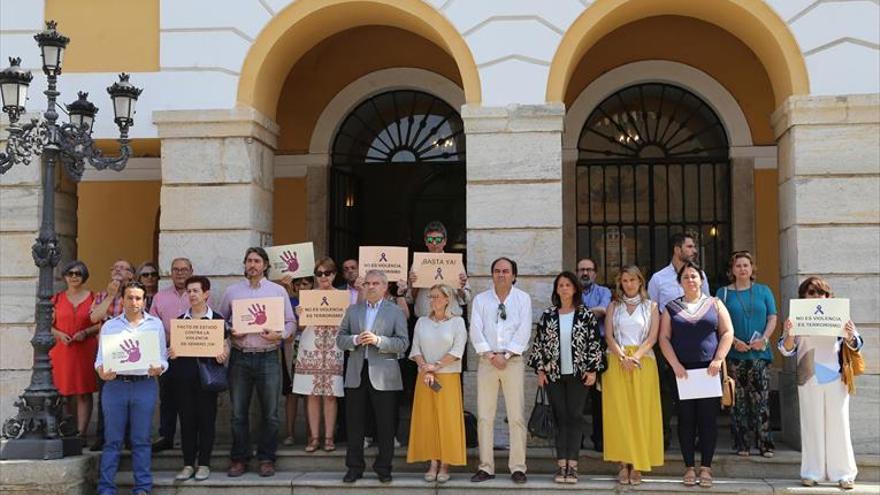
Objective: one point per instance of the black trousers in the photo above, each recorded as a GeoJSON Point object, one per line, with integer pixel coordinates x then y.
{"type": "Point", "coordinates": [567, 398]}
{"type": "Point", "coordinates": [596, 413]}
{"type": "Point", "coordinates": [668, 393]}
{"type": "Point", "coordinates": [168, 408]}
{"type": "Point", "coordinates": [697, 418]}
{"type": "Point", "coordinates": [198, 413]}
{"type": "Point", "coordinates": [384, 405]}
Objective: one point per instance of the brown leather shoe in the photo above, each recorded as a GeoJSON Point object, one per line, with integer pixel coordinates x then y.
{"type": "Point", "coordinates": [267, 468]}
{"type": "Point", "coordinates": [236, 469]}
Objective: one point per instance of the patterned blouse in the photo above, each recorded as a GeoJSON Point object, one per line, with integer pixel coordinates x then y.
{"type": "Point", "coordinates": [586, 344]}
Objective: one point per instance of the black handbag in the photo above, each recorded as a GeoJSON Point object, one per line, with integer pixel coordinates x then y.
{"type": "Point", "coordinates": [212, 375]}
{"type": "Point", "coordinates": [541, 422]}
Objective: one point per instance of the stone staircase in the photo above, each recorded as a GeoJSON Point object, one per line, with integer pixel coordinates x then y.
{"type": "Point", "coordinates": [321, 473]}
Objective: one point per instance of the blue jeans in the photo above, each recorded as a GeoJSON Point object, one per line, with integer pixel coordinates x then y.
{"type": "Point", "coordinates": [127, 403]}
{"type": "Point", "coordinates": [260, 372]}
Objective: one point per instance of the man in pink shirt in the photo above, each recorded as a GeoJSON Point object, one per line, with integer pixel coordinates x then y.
{"type": "Point", "coordinates": [168, 304]}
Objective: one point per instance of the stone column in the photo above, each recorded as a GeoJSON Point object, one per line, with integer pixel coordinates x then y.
{"type": "Point", "coordinates": [829, 221]}
{"type": "Point", "coordinates": [514, 206]}
{"type": "Point", "coordinates": [21, 200]}
{"type": "Point", "coordinates": [217, 182]}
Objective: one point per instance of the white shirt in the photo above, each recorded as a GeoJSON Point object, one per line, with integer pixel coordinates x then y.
{"type": "Point", "coordinates": [120, 324]}
{"type": "Point", "coordinates": [566, 322]}
{"type": "Point", "coordinates": [490, 333]}
{"type": "Point", "coordinates": [664, 287]}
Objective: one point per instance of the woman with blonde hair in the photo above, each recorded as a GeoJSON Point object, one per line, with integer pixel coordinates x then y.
{"type": "Point", "coordinates": [752, 311]}
{"type": "Point", "coordinates": [823, 398]}
{"type": "Point", "coordinates": [632, 417]}
{"type": "Point", "coordinates": [437, 430]}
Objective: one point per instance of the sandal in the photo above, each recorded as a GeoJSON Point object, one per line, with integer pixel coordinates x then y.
{"type": "Point", "coordinates": [690, 477]}
{"type": "Point", "coordinates": [635, 477]}
{"type": "Point", "coordinates": [313, 445]}
{"type": "Point", "coordinates": [329, 445]}
{"type": "Point", "coordinates": [705, 477]}
{"type": "Point", "coordinates": [623, 475]}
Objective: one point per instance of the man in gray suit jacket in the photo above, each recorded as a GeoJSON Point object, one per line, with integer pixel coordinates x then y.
{"type": "Point", "coordinates": [374, 333]}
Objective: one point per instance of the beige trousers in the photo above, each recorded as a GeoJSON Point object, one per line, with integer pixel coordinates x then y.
{"type": "Point", "coordinates": [510, 380]}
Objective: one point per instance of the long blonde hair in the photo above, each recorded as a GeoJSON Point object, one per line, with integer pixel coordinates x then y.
{"type": "Point", "coordinates": [635, 272]}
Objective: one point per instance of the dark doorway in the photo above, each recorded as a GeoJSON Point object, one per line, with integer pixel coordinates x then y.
{"type": "Point", "coordinates": [398, 162]}
{"type": "Point", "coordinates": [652, 161]}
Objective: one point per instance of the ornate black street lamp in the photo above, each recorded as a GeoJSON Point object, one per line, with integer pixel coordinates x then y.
{"type": "Point", "coordinates": [40, 430]}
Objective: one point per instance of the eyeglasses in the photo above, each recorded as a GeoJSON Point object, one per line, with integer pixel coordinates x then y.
{"type": "Point", "coordinates": [816, 292]}
{"type": "Point", "coordinates": [73, 273]}
{"type": "Point", "coordinates": [586, 269]}
{"type": "Point", "coordinates": [181, 270]}
{"type": "Point", "coordinates": [322, 273]}
{"type": "Point", "coordinates": [502, 311]}
{"type": "Point", "coordinates": [150, 274]}
{"type": "Point", "coordinates": [434, 239]}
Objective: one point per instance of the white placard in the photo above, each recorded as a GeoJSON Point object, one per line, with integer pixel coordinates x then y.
{"type": "Point", "coordinates": [699, 384]}
{"type": "Point", "coordinates": [818, 316]}
{"type": "Point", "coordinates": [129, 351]}
{"type": "Point", "coordinates": [297, 260]}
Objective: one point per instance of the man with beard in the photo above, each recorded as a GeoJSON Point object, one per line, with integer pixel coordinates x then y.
{"type": "Point", "coordinates": [596, 298]}
{"type": "Point", "coordinates": [663, 288]}
{"type": "Point", "coordinates": [255, 365]}
{"type": "Point", "coordinates": [350, 279]}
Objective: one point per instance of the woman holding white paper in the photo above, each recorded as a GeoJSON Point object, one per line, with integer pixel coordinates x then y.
{"type": "Point", "coordinates": [696, 334]}
{"type": "Point", "coordinates": [318, 372]}
{"type": "Point", "coordinates": [632, 419]}
{"type": "Point", "coordinates": [753, 314]}
{"type": "Point", "coordinates": [823, 398]}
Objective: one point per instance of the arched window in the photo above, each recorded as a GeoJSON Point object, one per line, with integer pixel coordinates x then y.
{"type": "Point", "coordinates": [652, 161]}
{"type": "Point", "coordinates": [398, 163]}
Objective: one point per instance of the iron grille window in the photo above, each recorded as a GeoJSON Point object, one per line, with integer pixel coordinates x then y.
{"type": "Point", "coordinates": [652, 161]}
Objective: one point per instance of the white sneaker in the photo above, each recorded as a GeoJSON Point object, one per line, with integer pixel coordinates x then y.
{"type": "Point", "coordinates": [367, 441]}
{"type": "Point", "coordinates": [202, 473]}
{"type": "Point", "coordinates": [396, 443]}
{"type": "Point", "coordinates": [185, 473]}
{"type": "Point", "coordinates": [288, 441]}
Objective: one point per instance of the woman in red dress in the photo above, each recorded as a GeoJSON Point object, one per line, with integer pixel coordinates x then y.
{"type": "Point", "coordinates": [73, 355]}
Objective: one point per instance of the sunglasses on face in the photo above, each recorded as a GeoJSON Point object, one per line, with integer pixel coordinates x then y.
{"type": "Point", "coordinates": [816, 292]}
{"type": "Point", "coordinates": [150, 274]}
{"type": "Point", "coordinates": [502, 311]}
{"type": "Point", "coordinates": [434, 239]}
{"type": "Point", "coordinates": [73, 273]}
{"type": "Point", "coordinates": [322, 273]}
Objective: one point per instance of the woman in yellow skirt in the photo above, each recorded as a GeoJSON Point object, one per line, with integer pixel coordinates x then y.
{"type": "Point", "coordinates": [631, 412]}
{"type": "Point", "coordinates": [437, 428]}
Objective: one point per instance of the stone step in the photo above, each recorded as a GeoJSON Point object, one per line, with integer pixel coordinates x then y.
{"type": "Point", "coordinates": [325, 483]}
{"type": "Point", "coordinates": [784, 465]}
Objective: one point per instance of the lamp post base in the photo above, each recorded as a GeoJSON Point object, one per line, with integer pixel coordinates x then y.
{"type": "Point", "coordinates": [39, 448]}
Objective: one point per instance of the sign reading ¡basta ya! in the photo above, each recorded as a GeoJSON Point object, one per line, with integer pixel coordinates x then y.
{"type": "Point", "coordinates": [323, 307]}
{"type": "Point", "coordinates": [256, 315]}
{"type": "Point", "coordinates": [437, 268]}
{"type": "Point", "coordinates": [197, 338]}
{"type": "Point", "coordinates": [818, 316]}
{"type": "Point", "coordinates": [388, 259]}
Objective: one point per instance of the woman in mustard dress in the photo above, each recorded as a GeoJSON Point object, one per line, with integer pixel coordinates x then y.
{"type": "Point", "coordinates": [631, 413]}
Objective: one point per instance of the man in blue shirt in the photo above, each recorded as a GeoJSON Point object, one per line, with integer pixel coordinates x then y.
{"type": "Point", "coordinates": [596, 298]}
{"type": "Point", "coordinates": [128, 398]}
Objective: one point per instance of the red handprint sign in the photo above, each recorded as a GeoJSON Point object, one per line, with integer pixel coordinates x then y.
{"type": "Point", "coordinates": [258, 312]}
{"type": "Point", "coordinates": [257, 315]}
{"type": "Point", "coordinates": [289, 258]}
{"type": "Point", "coordinates": [132, 350]}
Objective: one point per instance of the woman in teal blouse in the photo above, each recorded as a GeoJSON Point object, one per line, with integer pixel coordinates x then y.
{"type": "Point", "coordinates": [752, 310]}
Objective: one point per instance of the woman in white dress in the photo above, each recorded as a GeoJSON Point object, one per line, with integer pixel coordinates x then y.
{"type": "Point", "coordinates": [318, 372]}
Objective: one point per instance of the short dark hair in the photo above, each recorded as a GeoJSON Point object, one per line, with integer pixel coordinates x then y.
{"type": "Point", "coordinates": [678, 238]}
{"type": "Point", "coordinates": [435, 226]}
{"type": "Point", "coordinates": [134, 284]}
{"type": "Point", "coordinates": [504, 258]}
{"type": "Point", "coordinates": [261, 253]}
{"type": "Point", "coordinates": [578, 299]}
{"type": "Point", "coordinates": [77, 264]}
{"type": "Point", "coordinates": [685, 266]}
{"type": "Point", "coordinates": [199, 279]}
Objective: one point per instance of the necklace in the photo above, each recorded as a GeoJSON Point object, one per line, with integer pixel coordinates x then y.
{"type": "Point", "coordinates": [633, 301]}
{"type": "Point", "coordinates": [746, 311]}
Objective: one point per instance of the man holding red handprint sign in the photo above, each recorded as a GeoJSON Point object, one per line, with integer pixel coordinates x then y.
{"type": "Point", "coordinates": [255, 365]}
